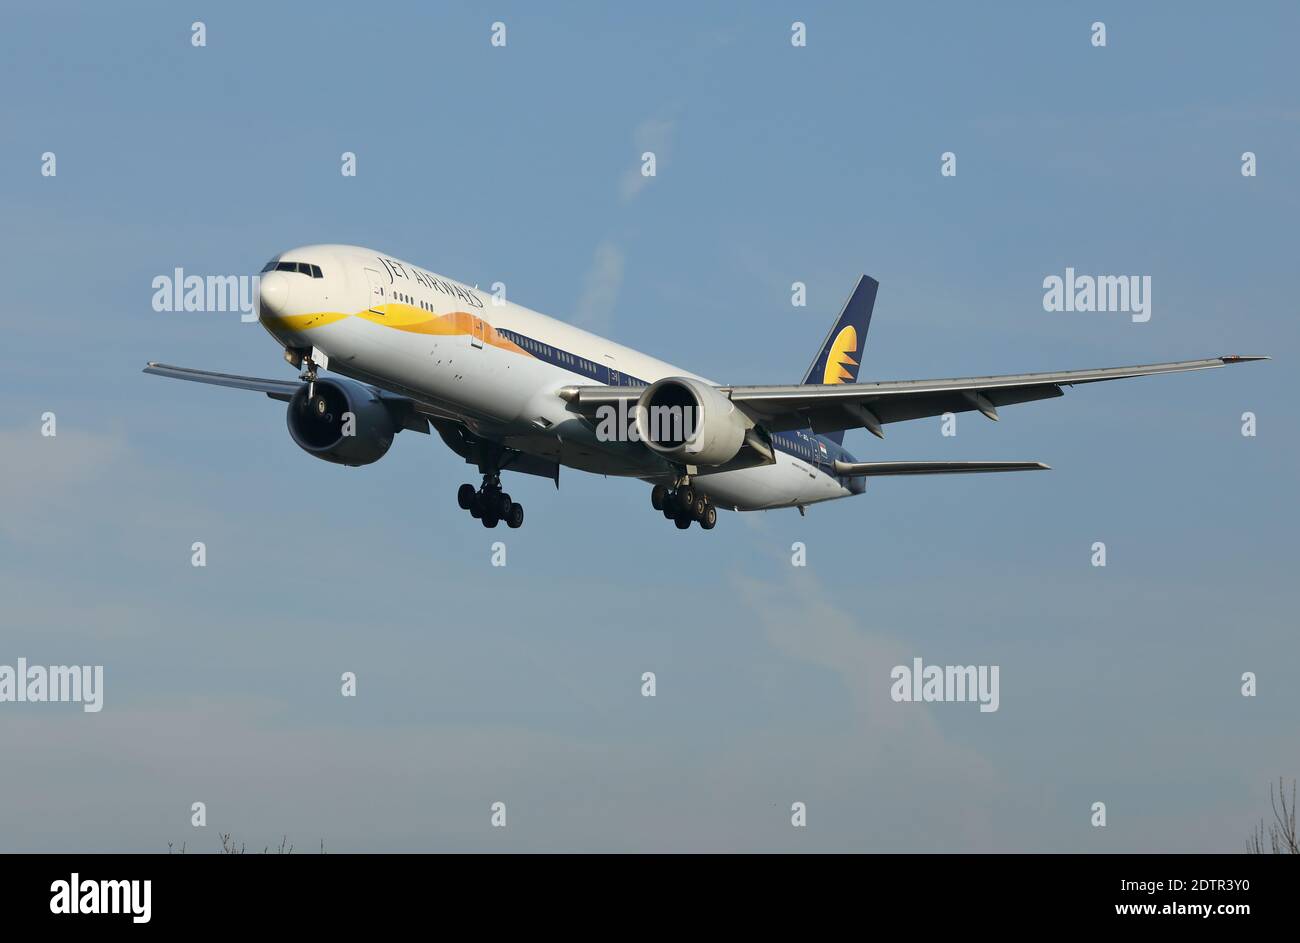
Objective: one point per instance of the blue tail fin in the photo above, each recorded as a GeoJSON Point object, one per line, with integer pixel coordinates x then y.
{"type": "Point", "coordinates": [840, 355]}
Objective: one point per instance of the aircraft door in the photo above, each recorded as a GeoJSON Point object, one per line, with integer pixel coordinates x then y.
{"type": "Point", "coordinates": [377, 296]}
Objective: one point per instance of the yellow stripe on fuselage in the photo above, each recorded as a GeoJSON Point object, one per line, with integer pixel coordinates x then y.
{"type": "Point", "coordinates": [401, 317]}
{"type": "Point", "coordinates": [303, 322]}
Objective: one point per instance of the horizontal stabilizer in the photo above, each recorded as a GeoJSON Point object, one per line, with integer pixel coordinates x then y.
{"type": "Point", "coordinates": [873, 469]}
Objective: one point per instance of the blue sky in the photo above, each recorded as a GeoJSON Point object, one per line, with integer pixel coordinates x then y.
{"type": "Point", "coordinates": [522, 684]}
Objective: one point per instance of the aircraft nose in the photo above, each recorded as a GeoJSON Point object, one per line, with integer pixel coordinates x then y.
{"type": "Point", "coordinates": [273, 294]}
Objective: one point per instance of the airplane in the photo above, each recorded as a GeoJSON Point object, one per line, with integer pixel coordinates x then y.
{"type": "Point", "coordinates": [509, 389]}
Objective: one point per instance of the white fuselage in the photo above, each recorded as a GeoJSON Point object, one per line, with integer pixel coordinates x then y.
{"type": "Point", "coordinates": [498, 367]}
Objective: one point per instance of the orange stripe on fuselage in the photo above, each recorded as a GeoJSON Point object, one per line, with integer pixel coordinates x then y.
{"type": "Point", "coordinates": [416, 321]}
{"type": "Point", "coordinates": [401, 317]}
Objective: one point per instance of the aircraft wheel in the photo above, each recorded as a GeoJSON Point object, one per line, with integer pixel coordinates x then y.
{"type": "Point", "coordinates": [490, 520]}
{"type": "Point", "coordinates": [502, 505]}
{"type": "Point", "coordinates": [710, 518]}
{"type": "Point", "coordinates": [658, 497]}
{"type": "Point", "coordinates": [476, 509]}
{"type": "Point", "coordinates": [699, 507]}
{"type": "Point", "coordinates": [669, 511]}
{"type": "Point", "coordinates": [515, 518]}
{"type": "Point", "coordinates": [683, 521]}
{"type": "Point", "coordinates": [465, 497]}
{"type": "Point", "coordinates": [685, 497]}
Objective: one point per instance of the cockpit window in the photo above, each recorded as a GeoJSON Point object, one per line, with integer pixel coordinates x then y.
{"type": "Point", "coordinates": [270, 266]}
{"type": "Point", "coordinates": [302, 268]}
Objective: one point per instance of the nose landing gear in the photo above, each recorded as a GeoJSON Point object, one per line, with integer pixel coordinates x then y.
{"type": "Point", "coordinates": [308, 374]}
{"type": "Point", "coordinates": [684, 504]}
{"type": "Point", "coordinates": [489, 503]}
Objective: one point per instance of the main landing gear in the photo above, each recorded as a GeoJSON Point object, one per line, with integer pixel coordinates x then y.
{"type": "Point", "coordinates": [489, 503]}
{"type": "Point", "coordinates": [684, 504]}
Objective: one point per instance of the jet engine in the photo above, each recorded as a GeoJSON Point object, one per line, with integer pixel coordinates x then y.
{"type": "Point", "coordinates": [690, 422]}
{"type": "Point", "coordinates": [342, 422]}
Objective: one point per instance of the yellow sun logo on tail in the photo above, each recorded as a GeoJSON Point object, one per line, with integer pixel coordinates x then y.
{"type": "Point", "coordinates": [840, 357]}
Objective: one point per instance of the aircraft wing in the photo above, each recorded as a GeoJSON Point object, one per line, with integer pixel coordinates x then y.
{"type": "Point", "coordinates": [409, 414]}
{"type": "Point", "coordinates": [827, 408]}
{"type": "Point", "coordinates": [276, 389]}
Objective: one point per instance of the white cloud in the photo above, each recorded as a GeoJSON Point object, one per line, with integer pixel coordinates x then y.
{"type": "Point", "coordinates": [404, 788]}
{"type": "Point", "coordinates": [600, 290]}
{"type": "Point", "coordinates": [894, 754]}
{"type": "Point", "coordinates": [44, 474]}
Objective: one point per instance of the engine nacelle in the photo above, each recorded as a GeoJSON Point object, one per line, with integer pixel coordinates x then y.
{"type": "Point", "coordinates": [343, 422]}
{"type": "Point", "coordinates": [690, 422]}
